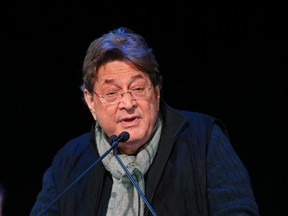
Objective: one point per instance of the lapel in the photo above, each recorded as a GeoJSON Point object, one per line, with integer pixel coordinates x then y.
{"type": "Point", "coordinates": [97, 174]}
{"type": "Point", "coordinates": [172, 124]}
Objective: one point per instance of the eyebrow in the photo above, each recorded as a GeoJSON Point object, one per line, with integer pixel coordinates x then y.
{"type": "Point", "coordinates": [133, 78]}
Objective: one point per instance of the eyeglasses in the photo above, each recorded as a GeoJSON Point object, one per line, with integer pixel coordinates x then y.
{"type": "Point", "coordinates": [114, 97]}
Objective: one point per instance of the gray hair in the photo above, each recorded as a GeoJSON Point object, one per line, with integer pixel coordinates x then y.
{"type": "Point", "coordinates": [119, 44]}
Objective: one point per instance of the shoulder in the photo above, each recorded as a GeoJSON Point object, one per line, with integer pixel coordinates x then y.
{"type": "Point", "coordinates": [74, 148]}
{"type": "Point", "coordinates": [76, 143]}
{"type": "Point", "coordinates": [196, 116]}
{"type": "Point", "coordinates": [204, 120]}
{"type": "Point", "coordinates": [69, 161]}
{"type": "Point", "coordinates": [182, 115]}
{"type": "Point", "coordinates": [179, 121]}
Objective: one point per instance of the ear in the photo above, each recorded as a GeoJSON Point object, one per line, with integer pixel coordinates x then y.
{"type": "Point", "coordinates": [89, 99]}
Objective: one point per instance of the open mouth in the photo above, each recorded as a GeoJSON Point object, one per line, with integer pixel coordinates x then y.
{"type": "Point", "coordinates": [129, 120]}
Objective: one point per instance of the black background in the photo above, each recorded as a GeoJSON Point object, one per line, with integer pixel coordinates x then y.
{"type": "Point", "coordinates": [224, 58]}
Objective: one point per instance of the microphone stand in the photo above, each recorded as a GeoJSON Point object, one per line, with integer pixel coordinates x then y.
{"type": "Point", "coordinates": [114, 144]}
{"type": "Point", "coordinates": [134, 182]}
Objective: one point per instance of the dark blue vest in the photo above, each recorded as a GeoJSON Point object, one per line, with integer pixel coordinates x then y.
{"type": "Point", "coordinates": [175, 184]}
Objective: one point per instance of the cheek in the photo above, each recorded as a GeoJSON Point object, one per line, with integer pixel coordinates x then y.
{"type": "Point", "coordinates": [105, 114]}
{"type": "Point", "coordinates": [106, 119]}
{"type": "Point", "coordinates": [152, 109]}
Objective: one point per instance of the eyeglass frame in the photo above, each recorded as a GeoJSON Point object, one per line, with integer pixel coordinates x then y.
{"type": "Point", "coordinates": [118, 99]}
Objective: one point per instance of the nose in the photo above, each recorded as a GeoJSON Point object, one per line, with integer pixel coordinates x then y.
{"type": "Point", "coordinates": [128, 101]}
{"type": "Point", "coordinates": [130, 93]}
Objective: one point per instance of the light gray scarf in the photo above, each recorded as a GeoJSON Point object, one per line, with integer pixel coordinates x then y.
{"type": "Point", "coordinates": [125, 199]}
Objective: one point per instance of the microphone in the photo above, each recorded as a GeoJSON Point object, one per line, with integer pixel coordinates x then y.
{"type": "Point", "coordinates": [133, 181]}
{"type": "Point", "coordinates": [114, 141]}
{"type": "Point", "coordinates": [123, 137]}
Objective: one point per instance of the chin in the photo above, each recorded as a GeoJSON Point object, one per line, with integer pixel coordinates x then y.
{"type": "Point", "coordinates": [137, 135]}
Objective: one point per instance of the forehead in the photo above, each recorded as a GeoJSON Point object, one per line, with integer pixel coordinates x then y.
{"type": "Point", "coordinates": [119, 71]}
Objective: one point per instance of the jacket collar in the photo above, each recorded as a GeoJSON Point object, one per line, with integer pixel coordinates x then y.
{"type": "Point", "coordinates": [172, 124]}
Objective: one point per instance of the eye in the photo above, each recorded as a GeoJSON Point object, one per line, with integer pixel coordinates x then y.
{"type": "Point", "coordinates": [111, 94]}
{"type": "Point", "coordinates": [138, 89]}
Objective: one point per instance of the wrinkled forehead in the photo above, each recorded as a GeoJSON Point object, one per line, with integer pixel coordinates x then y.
{"type": "Point", "coordinates": [129, 78]}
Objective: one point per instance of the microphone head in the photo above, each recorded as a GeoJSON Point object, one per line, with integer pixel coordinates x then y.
{"type": "Point", "coordinates": [124, 136]}
{"type": "Point", "coordinates": [112, 138]}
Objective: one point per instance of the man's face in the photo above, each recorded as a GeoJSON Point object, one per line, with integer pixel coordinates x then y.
{"type": "Point", "coordinates": [135, 114]}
